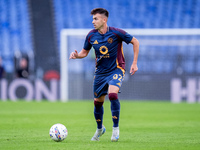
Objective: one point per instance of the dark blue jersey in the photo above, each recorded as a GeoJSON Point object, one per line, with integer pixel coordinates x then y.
{"type": "Point", "coordinates": [108, 48]}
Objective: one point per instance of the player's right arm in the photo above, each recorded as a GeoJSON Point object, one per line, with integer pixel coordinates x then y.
{"type": "Point", "coordinates": [83, 53]}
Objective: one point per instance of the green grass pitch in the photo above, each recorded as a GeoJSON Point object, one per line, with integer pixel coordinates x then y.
{"type": "Point", "coordinates": [143, 126]}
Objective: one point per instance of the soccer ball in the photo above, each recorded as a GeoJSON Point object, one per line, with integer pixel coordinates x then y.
{"type": "Point", "coordinates": [58, 132]}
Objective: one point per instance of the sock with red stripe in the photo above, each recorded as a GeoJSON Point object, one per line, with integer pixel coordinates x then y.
{"type": "Point", "coordinates": [115, 108]}
{"type": "Point", "coordinates": [98, 113]}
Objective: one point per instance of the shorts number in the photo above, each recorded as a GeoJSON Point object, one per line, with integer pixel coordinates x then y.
{"type": "Point", "coordinates": [119, 77]}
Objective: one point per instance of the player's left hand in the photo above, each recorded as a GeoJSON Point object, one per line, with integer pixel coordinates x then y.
{"type": "Point", "coordinates": [133, 69]}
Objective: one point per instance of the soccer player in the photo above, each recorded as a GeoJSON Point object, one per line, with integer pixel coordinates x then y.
{"type": "Point", "coordinates": [110, 67]}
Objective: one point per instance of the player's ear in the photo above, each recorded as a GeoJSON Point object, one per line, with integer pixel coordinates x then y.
{"type": "Point", "coordinates": [105, 19]}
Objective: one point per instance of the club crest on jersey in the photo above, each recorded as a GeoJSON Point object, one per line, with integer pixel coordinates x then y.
{"type": "Point", "coordinates": [110, 40]}
{"type": "Point", "coordinates": [95, 42]}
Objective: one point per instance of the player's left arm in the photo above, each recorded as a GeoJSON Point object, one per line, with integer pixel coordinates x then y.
{"type": "Point", "coordinates": [134, 67]}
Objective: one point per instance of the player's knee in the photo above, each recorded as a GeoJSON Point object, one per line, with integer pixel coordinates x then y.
{"type": "Point", "coordinates": [98, 104]}
{"type": "Point", "coordinates": [112, 96]}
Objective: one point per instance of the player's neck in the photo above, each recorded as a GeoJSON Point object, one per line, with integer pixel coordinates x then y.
{"type": "Point", "coordinates": [104, 29]}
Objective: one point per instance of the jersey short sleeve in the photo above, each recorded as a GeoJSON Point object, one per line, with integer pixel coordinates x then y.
{"type": "Point", "coordinates": [127, 38]}
{"type": "Point", "coordinates": [123, 35]}
{"type": "Point", "coordinates": [87, 44]}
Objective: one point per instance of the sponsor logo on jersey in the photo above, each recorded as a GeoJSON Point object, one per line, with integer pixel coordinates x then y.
{"type": "Point", "coordinates": [103, 50]}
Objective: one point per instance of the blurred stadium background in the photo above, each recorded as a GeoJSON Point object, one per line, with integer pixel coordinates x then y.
{"type": "Point", "coordinates": [169, 66]}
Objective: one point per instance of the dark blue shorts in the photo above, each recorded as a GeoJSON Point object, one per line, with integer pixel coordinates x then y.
{"type": "Point", "coordinates": [102, 82]}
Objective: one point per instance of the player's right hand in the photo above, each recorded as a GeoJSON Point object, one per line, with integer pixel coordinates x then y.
{"type": "Point", "coordinates": [133, 69]}
{"type": "Point", "coordinates": [73, 55]}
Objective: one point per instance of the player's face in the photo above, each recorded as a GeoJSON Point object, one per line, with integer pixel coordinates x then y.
{"type": "Point", "coordinates": [98, 21]}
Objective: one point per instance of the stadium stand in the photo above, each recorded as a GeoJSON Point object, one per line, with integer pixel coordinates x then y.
{"type": "Point", "coordinates": [15, 31]}
{"type": "Point", "coordinates": [141, 14]}
{"type": "Point", "coordinates": [15, 34]}
{"type": "Point", "coordinates": [130, 14]}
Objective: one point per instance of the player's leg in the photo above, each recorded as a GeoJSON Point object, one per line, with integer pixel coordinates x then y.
{"type": "Point", "coordinates": [114, 86]}
{"type": "Point", "coordinates": [98, 114]}
{"type": "Point", "coordinates": [99, 110]}
{"type": "Point", "coordinates": [115, 110]}
{"type": "Point", "coordinates": [100, 90]}
{"type": "Point", "coordinates": [115, 104]}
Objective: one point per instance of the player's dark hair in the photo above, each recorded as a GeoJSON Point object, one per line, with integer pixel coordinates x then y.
{"type": "Point", "coordinates": [99, 11]}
